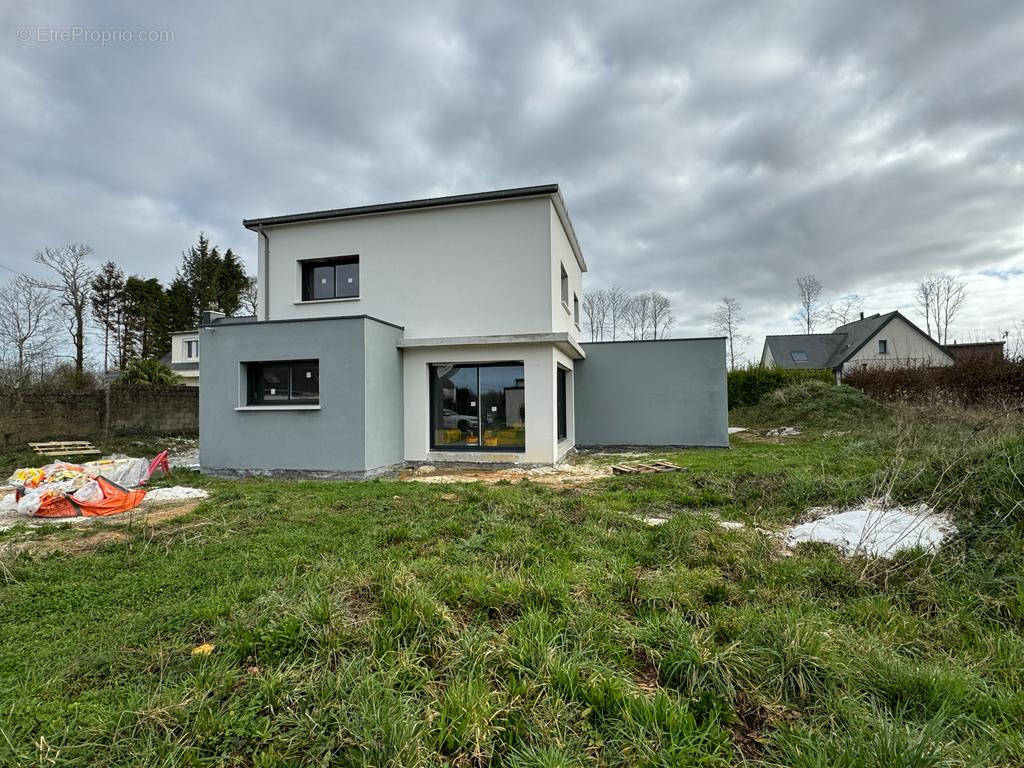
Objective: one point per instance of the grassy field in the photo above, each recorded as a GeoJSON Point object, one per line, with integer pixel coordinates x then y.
{"type": "Point", "coordinates": [389, 623]}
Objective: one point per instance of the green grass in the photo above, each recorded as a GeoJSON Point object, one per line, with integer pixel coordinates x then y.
{"type": "Point", "coordinates": [388, 623]}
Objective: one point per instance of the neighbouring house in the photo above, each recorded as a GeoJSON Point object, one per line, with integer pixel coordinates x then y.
{"type": "Point", "coordinates": [437, 330]}
{"type": "Point", "coordinates": [977, 350]}
{"type": "Point", "coordinates": [184, 355]}
{"type": "Point", "coordinates": [878, 341]}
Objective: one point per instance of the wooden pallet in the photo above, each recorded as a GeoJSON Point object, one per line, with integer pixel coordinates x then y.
{"type": "Point", "coordinates": [64, 448]}
{"type": "Point", "coordinates": [653, 466]}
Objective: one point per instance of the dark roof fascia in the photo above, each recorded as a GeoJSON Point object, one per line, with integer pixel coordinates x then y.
{"type": "Point", "coordinates": [648, 341]}
{"type": "Point", "coordinates": [404, 205]}
{"type": "Point", "coordinates": [303, 320]}
{"type": "Point", "coordinates": [517, 193]}
{"type": "Point", "coordinates": [965, 344]}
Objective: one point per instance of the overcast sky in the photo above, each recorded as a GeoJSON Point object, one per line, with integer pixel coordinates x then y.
{"type": "Point", "coordinates": [703, 149]}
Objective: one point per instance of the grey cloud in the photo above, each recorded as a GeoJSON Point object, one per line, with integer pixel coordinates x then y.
{"type": "Point", "coordinates": [704, 149]}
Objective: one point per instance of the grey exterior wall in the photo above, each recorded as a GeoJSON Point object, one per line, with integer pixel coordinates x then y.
{"type": "Point", "coordinates": [667, 392]}
{"type": "Point", "coordinates": [360, 385]}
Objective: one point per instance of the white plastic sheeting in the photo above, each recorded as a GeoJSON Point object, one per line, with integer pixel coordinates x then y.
{"type": "Point", "coordinates": [876, 529]}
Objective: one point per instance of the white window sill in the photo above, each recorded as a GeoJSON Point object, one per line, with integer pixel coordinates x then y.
{"type": "Point", "coordinates": [327, 301]}
{"type": "Point", "coordinates": [278, 408]}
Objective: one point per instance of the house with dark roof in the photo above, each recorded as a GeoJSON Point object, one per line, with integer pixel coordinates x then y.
{"type": "Point", "coordinates": [445, 329]}
{"type": "Point", "coordinates": [887, 341]}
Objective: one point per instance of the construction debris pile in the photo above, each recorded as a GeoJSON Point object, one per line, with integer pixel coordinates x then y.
{"type": "Point", "coordinates": [92, 489]}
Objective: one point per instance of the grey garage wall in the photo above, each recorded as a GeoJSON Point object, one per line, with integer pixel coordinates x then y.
{"type": "Point", "coordinates": [666, 392]}
{"type": "Point", "coordinates": [332, 439]}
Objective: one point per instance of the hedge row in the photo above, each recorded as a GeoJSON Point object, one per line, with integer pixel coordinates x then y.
{"type": "Point", "coordinates": [748, 385]}
{"type": "Point", "coordinates": [967, 383]}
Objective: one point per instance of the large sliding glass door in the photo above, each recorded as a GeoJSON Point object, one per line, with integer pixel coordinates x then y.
{"type": "Point", "coordinates": [478, 407]}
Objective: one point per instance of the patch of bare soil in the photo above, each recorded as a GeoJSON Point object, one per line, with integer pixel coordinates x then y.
{"type": "Point", "coordinates": [560, 474]}
{"type": "Point", "coordinates": [146, 517]}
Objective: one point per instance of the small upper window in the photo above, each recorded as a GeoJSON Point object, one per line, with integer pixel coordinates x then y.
{"type": "Point", "coordinates": [565, 287]}
{"type": "Point", "coordinates": [192, 349]}
{"type": "Point", "coordinates": [281, 383]}
{"type": "Point", "coordinates": [330, 279]}
{"type": "Point", "coordinates": [883, 347]}
{"type": "Point", "coordinates": [798, 357]}
{"type": "Point", "coordinates": [576, 309]}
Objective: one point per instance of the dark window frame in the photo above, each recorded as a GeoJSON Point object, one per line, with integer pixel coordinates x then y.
{"type": "Point", "coordinates": [564, 287]}
{"type": "Point", "coordinates": [576, 309]}
{"type": "Point", "coordinates": [432, 382]}
{"type": "Point", "coordinates": [883, 346]}
{"type": "Point", "coordinates": [255, 397]}
{"type": "Point", "coordinates": [308, 266]}
{"type": "Point", "coordinates": [188, 347]}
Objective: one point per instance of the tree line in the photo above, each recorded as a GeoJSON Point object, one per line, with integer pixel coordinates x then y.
{"type": "Point", "coordinates": [613, 314]}
{"type": "Point", "coordinates": [130, 316]}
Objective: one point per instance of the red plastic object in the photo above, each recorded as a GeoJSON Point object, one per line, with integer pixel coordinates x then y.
{"type": "Point", "coordinates": [159, 462]}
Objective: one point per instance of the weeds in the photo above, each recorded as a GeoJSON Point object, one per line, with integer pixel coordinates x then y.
{"type": "Point", "coordinates": [381, 623]}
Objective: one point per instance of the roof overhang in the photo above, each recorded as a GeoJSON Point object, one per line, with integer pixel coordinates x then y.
{"type": "Point", "coordinates": [562, 341]}
{"type": "Point", "coordinates": [519, 193]}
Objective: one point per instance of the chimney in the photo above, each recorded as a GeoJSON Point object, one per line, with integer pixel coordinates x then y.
{"type": "Point", "coordinates": [861, 315]}
{"type": "Point", "coordinates": [210, 316]}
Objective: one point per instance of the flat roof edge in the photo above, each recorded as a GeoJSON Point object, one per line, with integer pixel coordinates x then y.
{"type": "Point", "coordinates": [404, 205]}
{"type": "Point", "coordinates": [217, 327]}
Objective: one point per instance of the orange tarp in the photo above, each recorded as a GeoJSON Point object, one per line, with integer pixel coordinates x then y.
{"type": "Point", "coordinates": [115, 499]}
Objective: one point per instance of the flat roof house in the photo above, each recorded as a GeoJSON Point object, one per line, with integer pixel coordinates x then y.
{"type": "Point", "coordinates": [445, 329]}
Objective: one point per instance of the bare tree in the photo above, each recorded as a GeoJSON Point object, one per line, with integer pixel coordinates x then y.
{"type": "Point", "coordinates": [72, 286]}
{"type": "Point", "coordinates": [844, 310]}
{"type": "Point", "coordinates": [617, 301]}
{"type": "Point", "coordinates": [250, 302]}
{"type": "Point", "coordinates": [939, 297]}
{"type": "Point", "coordinates": [661, 314]}
{"type": "Point", "coordinates": [726, 320]}
{"type": "Point", "coordinates": [951, 297]}
{"type": "Point", "coordinates": [808, 290]}
{"type": "Point", "coordinates": [26, 320]}
{"type": "Point", "coordinates": [636, 316]}
{"type": "Point", "coordinates": [924, 299]}
{"type": "Point", "coordinates": [595, 307]}
{"type": "Point", "coordinates": [1014, 339]}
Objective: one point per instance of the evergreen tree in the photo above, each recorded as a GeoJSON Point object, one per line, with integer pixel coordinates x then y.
{"type": "Point", "coordinates": [107, 300]}
{"type": "Point", "coordinates": [145, 318]}
{"type": "Point", "coordinates": [211, 280]}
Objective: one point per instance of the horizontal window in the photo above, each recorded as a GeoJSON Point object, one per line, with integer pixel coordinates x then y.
{"type": "Point", "coordinates": [478, 407]}
{"type": "Point", "coordinates": [289, 382]}
{"type": "Point", "coordinates": [336, 278]}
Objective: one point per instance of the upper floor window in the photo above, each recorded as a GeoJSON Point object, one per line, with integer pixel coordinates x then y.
{"type": "Point", "coordinates": [883, 347]}
{"type": "Point", "coordinates": [336, 278]}
{"type": "Point", "coordinates": [565, 287]}
{"type": "Point", "coordinates": [282, 383]}
{"type": "Point", "coordinates": [576, 309]}
{"type": "Point", "coordinates": [192, 349]}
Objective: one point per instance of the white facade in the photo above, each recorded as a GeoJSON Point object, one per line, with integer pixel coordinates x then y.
{"type": "Point", "coordinates": [464, 270]}
{"type": "Point", "coordinates": [897, 345]}
{"type": "Point", "coordinates": [185, 356]}
{"type": "Point", "coordinates": [478, 282]}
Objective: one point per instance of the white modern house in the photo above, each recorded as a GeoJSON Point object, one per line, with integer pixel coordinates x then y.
{"type": "Point", "coordinates": [184, 356]}
{"type": "Point", "coordinates": [878, 341]}
{"type": "Point", "coordinates": [437, 330]}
